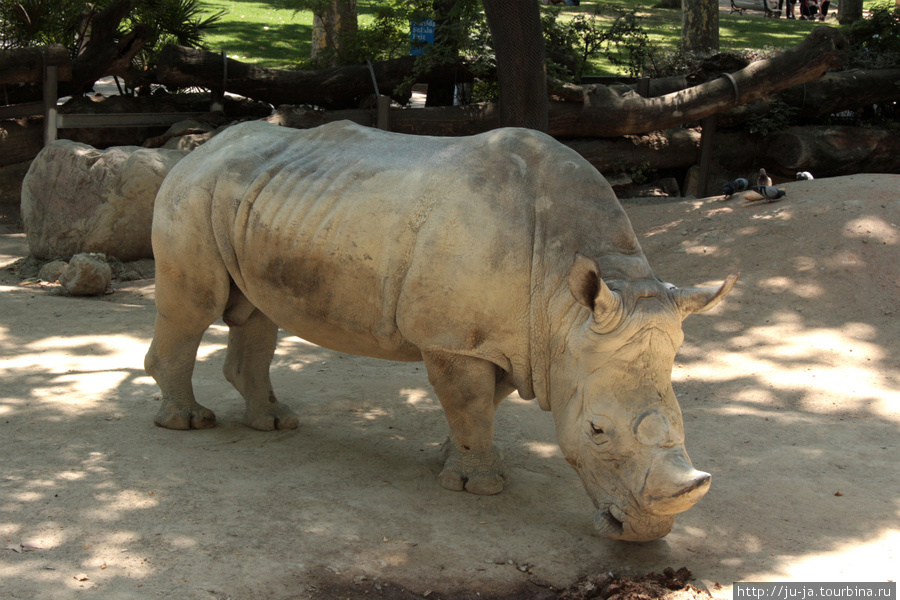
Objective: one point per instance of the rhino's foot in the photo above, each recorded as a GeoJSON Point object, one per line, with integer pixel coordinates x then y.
{"type": "Point", "coordinates": [480, 472]}
{"type": "Point", "coordinates": [274, 415]}
{"type": "Point", "coordinates": [171, 416]}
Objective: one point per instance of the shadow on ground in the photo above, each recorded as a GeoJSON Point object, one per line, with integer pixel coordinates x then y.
{"type": "Point", "coordinates": [789, 393]}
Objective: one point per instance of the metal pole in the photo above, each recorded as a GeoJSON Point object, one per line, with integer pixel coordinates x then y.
{"type": "Point", "coordinates": [51, 74]}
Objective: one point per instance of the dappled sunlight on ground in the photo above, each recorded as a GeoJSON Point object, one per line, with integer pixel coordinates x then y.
{"type": "Point", "coordinates": [791, 387]}
{"type": "Point", "coordinates": [789, 391]}
{"type": "Point", "coordinates": [843, 365]}
{"type": "Point", "coordinates": [869, 561]}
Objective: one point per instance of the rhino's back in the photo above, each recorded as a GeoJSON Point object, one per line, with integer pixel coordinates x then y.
{"type": "Point", "coordinates": [384, 244]}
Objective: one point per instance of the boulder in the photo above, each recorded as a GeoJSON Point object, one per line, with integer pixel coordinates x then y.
{"type": "Point", "coordinates": [76, 198]}
{"type": "Point", "coordinates": [86, 275]}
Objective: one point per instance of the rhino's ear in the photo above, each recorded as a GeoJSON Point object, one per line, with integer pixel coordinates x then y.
{"type": "Point", "coordinates": [702, 299]}
{"type": "Point", "coordinates": [588, 287]}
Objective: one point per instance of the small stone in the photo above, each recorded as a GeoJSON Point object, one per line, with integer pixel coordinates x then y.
{"type": "Point", "coordinates": [51, 271]}
{"type": "Point", "coordinates": [86, 275]}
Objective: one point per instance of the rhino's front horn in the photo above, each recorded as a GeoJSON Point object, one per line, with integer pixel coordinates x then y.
{"type": "Point", "coordinates": [674, 485]}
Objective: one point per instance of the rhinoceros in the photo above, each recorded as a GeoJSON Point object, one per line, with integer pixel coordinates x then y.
{"type": "Point", "coordinates": [502, 260]}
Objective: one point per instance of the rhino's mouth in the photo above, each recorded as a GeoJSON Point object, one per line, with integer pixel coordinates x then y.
{"type": "Point", "coordinates": [614, 523]}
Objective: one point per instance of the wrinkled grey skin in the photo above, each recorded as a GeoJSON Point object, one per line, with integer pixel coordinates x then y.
{"type": "Point", "coordinates": [480, 256]}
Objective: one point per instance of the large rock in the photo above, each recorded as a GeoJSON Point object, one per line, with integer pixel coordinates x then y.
{"type": "Point", "coordinates": [76, 198]}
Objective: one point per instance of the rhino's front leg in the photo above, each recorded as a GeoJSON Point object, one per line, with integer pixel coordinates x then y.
{"type": "Point", "coordinates": [251, 347]}
{"type": "Point", "coordinates": [170, 361]}
{"type": "Point", "coordinates": [470, 390]}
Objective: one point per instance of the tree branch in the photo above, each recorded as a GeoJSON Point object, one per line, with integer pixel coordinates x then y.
{"type": "Point", "coordinates": [609, 112]}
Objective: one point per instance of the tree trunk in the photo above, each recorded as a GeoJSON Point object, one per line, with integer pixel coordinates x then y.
{"type": "Point", "coordinates": [850, 11]}
{"type": "Point", "coordinates": [441, 93]}
{"type": "Point", "coordinates": [102, 55]}
{"type": "Point", "coordinates": [700, 26]}
{"type": "Point", "coordinates": [332, 27]}
{"type": "Point", "coordinates": [521, 70]}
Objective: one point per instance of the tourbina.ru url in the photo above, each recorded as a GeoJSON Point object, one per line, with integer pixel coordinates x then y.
{"type": "Point", "coordinates": [815, 591]}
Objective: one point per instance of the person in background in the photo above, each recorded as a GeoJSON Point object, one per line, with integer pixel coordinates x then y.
{"type": "Point", "coordinates": [808, 10]}
{"type": "Point", "coordinates": [790, 8]}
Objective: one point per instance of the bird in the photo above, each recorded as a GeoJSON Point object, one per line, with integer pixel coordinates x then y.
{"type": "Point", "coordinates": [804, 176]}
{"type": "Point", "coordinates": [763, 178]}
{"type": "Point", "coordinates": [769, 193]}
{"type": "Point", "coordinates": [733, 187]}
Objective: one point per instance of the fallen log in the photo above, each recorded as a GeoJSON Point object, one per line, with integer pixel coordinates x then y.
{"type": "Point", "coordinates": [605, 111]}
{"type": "Point", "coordinates": [832, 93]}
{"type": "Point", "coordinates": [674, 148]}
{"type": "Point", "coordinates": [670, 149]}
{"type": "Point", "coordinates": [333, 88]}
{"type": "Point", "coordinates": [834, 150]}
{"type": "Point", "coordinates": [20, 139]}
{"type": "Point", "coordinates": [26, 65]}
{"type": "Point", "coordinates": [616, 110]}
{"type": "Point", "coordinates": [438, 120]}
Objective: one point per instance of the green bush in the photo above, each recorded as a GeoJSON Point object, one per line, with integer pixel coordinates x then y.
{"type": "Point", "coordinates": [875, 41]}
{"type": "Point", "coordinates": [25, 23]}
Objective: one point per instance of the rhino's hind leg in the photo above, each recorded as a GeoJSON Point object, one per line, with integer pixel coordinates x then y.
{"type": "Point", "coordinates": [251, 347]}
{"type": "Point", "coordinates": [470, 390]}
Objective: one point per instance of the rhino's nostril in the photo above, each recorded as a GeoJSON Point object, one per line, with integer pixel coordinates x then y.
{"type": "Point", "coordinates": [607, 525]}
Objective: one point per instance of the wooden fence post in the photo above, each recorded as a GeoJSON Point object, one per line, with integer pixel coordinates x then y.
{"type": "Point", "coordinates": [216, 95]}
{"type": "Point", "coordinates": [707, 138]}
{"type": "Point", "coordinates": [383, 120]}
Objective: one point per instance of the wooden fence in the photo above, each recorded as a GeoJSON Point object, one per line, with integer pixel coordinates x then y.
{"type": "Point", "coordinates": [50, 66]}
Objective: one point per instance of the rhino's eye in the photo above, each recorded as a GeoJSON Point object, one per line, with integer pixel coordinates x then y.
{"type": "Point", "coordinates": [599, 429]}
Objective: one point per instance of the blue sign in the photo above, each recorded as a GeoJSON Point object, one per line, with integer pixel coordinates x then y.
{"type": "Point", "coordinates": [421, 33]}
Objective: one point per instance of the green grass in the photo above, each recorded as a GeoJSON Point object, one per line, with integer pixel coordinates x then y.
{"type": "Point", "coordinates": [751, 31]}
{"type": "Point", "coordinates": [271, 33]}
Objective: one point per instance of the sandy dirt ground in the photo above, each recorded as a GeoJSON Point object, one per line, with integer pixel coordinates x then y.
{"type": "Point", "coordinates": [790, 391]}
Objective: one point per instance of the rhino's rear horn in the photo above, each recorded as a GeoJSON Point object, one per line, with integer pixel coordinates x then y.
{"type": "Point", "coordinates": [697, 300]}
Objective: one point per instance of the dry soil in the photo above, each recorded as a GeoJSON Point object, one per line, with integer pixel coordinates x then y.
{"type": "Point", "coordinates": [790, 391]}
